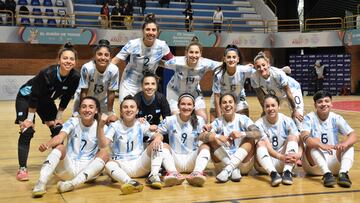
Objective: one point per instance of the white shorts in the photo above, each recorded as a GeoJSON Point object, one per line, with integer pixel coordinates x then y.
{"type": "Point", "coordinates": [239, 106]}
{"type": "Point", "coordinates": [68, 168]}
{"type": "Point", "coordinates": [278, 164]}
{"type": "Point", "coordinates": [172, 98]}
{"type": "Point", "coordinates": [185, 163]}
{"type": "Point", "coordinates": [127, 89]}
{"type": "Point", "coordinates": [245, 168]}
{"type": "Point", "coordinates": [136, 168]}
{"type": "Point", "coordinates": [331, 160]}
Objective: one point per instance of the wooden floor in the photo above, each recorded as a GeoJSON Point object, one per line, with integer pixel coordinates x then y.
{"type": "Point", "coordinates": [253, 188]}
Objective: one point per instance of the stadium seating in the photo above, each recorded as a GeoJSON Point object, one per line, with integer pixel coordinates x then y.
{"type": "Point", "coordinates": [35, 3]}
{"type": "Point", "coordinates": [235, 12]}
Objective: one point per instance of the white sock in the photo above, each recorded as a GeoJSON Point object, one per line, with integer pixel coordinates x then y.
{"type": "Point", "coordinates": [264, 159]}
{"type": "Point", "coordinates": [291, 147]}
{"type": "Point", "coordinates": [347, 160]}
{"type": "Point", "coordinates": [168, 161]}
{"type": "Point", "coordinates": [90, 171]}
{"type": "Point", "coordinates": [319, 159]}
{"type": "Point", "coordinates": [114, 171]}
{"type": "Point", "coordinates": [222, 155]}
{"type": "Point", "coordinates": [49, 165]}
{"type": "Point", "coordinates": [202, 160]}
{"type": "Point", "coordinates": [156, 161]}
{"type": "Point", "coordinates": [238, 157]}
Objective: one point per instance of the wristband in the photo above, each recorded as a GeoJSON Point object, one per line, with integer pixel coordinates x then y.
{"type": "Point", "coordinates": [30, 116]}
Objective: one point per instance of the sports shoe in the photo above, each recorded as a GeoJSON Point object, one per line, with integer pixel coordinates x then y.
{"type": "Point", "coordinates": [154, 181]}
{"type": "Point", "coordinates": [173, 178]}
{"type": "Point", "coordinates": [275, 178]}
{"type": "Point", "coordinates": [64, 186]}
{"type": "Point", "coordinates": [39, 190]}
{"type": "Point", "coordinates": [131, 187]}
{"type": "Point", "coordinates": [328, 179]}
{"type": "Point", "coordinates": [196, 179]}
{"type": "Point", "coordinates": [224, 175]}
{"type": "Point", "coordinates": [344, 180]}
{"type": "Point", "coordinates": [287, 178]}
{"type": "Point", "coordinates": [22, 174]}
{"type": "Point", "coordinates": [235, 175]}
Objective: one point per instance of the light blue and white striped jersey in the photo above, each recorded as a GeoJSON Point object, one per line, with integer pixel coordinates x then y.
{"type": "Point", "coordinates": [277, 133]}
{"type": "Point", "coordinates": [275, 83]}
{"type": "Point", "coordinates": [186, 79]}
{"type": "Point", "coordinates": [82, 143]}
{"type": "Point", "coordinates": [127, 142]}
{"type": "Point", "coordinates": [240, 123]}
{"type": "Point", "coordinates": [183, 138]}
{"type": "Point", "coordinates": [233, 84]}
{"type": "Point", "coordinates": [99, 83]}
{"type": "Point", "coordinates": [327, 131]}
{"type": "Point", "coordinates": [141, 58]}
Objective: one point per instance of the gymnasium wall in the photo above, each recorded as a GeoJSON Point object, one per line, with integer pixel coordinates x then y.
{"type": "Point", "coordinates": [28, 59]}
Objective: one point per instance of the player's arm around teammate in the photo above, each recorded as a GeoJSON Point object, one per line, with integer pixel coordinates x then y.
{"type": "Point", "coordinates": [129, 158]}
{"type": "Point", "coordinates": [280, 146]}
{"type": "Point", "coordinates": [80, 160]}
{"type": "Point", "coordinates": [324, 153]}
{"type": "Point", "coordinates": [184, 153]}
{"type": "Point", "coordinates": [38, 95]}
{"type": "Point", "coordinates": [232, 141]}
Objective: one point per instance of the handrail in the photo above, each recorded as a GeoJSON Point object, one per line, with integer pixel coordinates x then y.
{"type": "Point", "coordinates": [8, 12]}
{"type": "Point", "coordinates": [352, 22]}
{"type": "Point", "coordinates": [275, 8]}
{"type": "Point", "coordinates": [334, 23]}
{"type": "Point", "coordinates": [200, 23]}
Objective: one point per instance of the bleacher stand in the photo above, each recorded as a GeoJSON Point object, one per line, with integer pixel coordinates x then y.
{"type": "Point", "coordinates": [35, 3]}
{"type": "Point", "coordinates": [48, 3]}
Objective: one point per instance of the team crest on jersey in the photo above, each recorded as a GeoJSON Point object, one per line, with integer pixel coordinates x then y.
{"type": "Point", "coordinates": [65, 87]}
{"type": "Point", "coordinates": [174, 131]}
{"type": "Point", "coordinates": [157, 110]}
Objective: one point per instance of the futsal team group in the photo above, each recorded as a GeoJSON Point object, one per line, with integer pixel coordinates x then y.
{"type": "Point", "coordinates": [173, 133]}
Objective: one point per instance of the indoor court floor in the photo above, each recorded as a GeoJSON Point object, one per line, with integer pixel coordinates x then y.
{"type": "Point", "coordinates": [252, 188]}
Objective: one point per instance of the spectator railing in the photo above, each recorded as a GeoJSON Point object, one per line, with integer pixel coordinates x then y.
{"type": "Point", "coordinates": [203, 23]}
{"type": "Point", "coordinates": [318, 24]}
{"type": "Point", "coordinates": [289, 25]}
{"type": "Point", "coordinates": [5, 16]}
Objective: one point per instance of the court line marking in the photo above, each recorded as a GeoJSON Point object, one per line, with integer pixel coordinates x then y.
{"type": "Point", "coordinates": [281, 196]}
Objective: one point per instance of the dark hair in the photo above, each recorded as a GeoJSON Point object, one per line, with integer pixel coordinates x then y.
{"type": "Point", "coordinates": [150, 74]}
{"type": "Point", "coordinates": [222, 69]}
{"type": "Point", "coordinates": [227, 94]}
{"type": "Point", "coordinates": [150, 18]}
{"type": "Point", "coordinates": [129, 97]}
{"type": "Point", "coordinates": [67, 47]}
{"type": "Point", "coordinates": [193, 119]}
{"type": "Point", "coordinates": [219, 7]}
{"type": "Point", "coordinates": [103, 43]}
{"type": "Point", "coordinates": [321, 94]}
{"type": "Point", "coordinates": [261, 55]}
{"type": "Point", "coordinates": [97, 103]}
{"type": "Point", "coordinates": [271, 96]}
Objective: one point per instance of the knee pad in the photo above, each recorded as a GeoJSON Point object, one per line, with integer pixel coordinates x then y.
{"type": "Point", "coordinates": [55, 130]}
{"type": "Point", "coordinates": [26, 136]}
